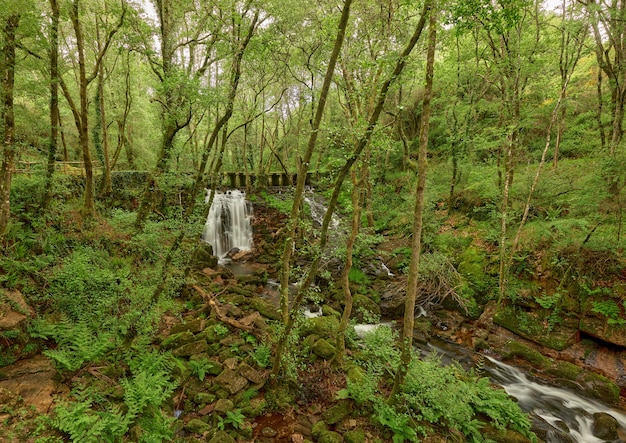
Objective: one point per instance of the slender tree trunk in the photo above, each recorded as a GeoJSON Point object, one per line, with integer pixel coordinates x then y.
{"type": "Point", "coordinates": [83, 127]}
{"type": "Point", "coordinates": [345, 274]}
{"type": "Point", "coordinates": [8, 147]}
{"type": "Point", "coordinates": [54, 100]}
{"type": "Point", "coordinates": [104, 134]}
{"type": "Point", "coordinates": [416, 242]}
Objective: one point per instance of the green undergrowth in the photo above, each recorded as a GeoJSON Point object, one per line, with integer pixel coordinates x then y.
{"type": "Point", "coordinates": [433, 397]}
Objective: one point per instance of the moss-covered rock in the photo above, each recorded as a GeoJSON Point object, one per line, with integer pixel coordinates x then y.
{"type": "Point", "coordinates": [192, 326]}
{"type": "Point", "coordinates": [203, 398]}
{"type": "Point", "coordinates": [193, 348]}
{"type": "Point", "coordinates": [515, 349]}
{"type": "Point", "coordinates": [231, 381]}
{"type": "Point", "coordinates": [176, 340]}
{"type": "Point", "coordinates": [323, 349]}
{"type": "Point", "coordinates": [222, 437]}
{"type": "Point", "coordinates": [605, 426]}
{"type": "Point", "coordinates": [364, 308]}
{"type": "Point", "coordinates": [224, 405]}
{"type": "Point", "coordinates": [600, 328]}
{"type": "Point", "coordinates": [355, 436]}
{"type": "Point", "coordinates": [197, 426]}
{"type": "Point", "coordinates": [330, 437]}
{"type": "Point", "coordinates": [534, 326]}
{"type": "Point", "coordinates": [325, 326]}
{"type": "Point", "coordinates": [565, 370]}
{"type": "Point", "coordinates": [600, 387]}
{"type": "Point", "coordinates": [265, 308]}
{"type": "Point", "coordinates": [338, 412]}
{"type": "Point", "coordinates": [318, 428]}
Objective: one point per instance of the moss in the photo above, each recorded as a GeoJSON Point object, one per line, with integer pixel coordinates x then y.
{"type": "Point", "coordinates": [515, 349]}
{"type": "Point", "coordinates": [600, 387]}
{"type": "Point", "coordinates": [535, 327]}
{"type": "Point", "coordinates": [566, 370]}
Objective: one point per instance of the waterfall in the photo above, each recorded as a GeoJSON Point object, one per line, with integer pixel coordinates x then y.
{"type": "Point", "coordinates": [229, 224]}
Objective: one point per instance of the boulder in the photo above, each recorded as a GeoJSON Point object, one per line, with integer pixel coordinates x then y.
{"type": "Point", "coordinates": [323, 349]}
{"type": "Point", "coordinates": [364, 308]}
{"type": "Point", "coordinates": [605, 426]}
{"type": "Point", "coordinates": [599, 328]}
{"type": "Point", "coordinates": [203, 257]}
{"type": "Point", "coordinates": [325, 326]}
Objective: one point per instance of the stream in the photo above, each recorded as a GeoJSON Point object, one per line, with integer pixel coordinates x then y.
{"type": "Point", "coordinates": [561, 410]}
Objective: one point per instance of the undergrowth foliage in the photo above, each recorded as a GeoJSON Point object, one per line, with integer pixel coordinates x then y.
{"type": "Point", "coordinates": [432, 396]}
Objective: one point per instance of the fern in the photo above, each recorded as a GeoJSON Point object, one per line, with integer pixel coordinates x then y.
{"type": "Point", "coordinates": [77, 344]}
{"type": "Point", "coordinates": [150, 384]}
{"type": "Point", "coordinates": [84, 425]}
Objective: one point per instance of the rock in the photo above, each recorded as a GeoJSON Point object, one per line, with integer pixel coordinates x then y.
{"type": "Point", "coordinates": [222, 437]}
{"type": "Point", "coordinates": [364, 308]}
{"type": "Point", "coordinates": [534, 326]}
{"type": "Point", "coordinates": [231, 381]}
{"type": "Point", "coordinates": [203, 398]}
{"type": "Point", "coordinates": [318, 428]}
{"type": "Point", "coordinates": [325, 326]}
{"type": "Point", "coordinates": [328, 310]}
{"type": "Point", "coordinates": [597, 327]}
{"type": "Point", "coordinates": [251, 374]}
{"type": "Point", "coordinates": [197, 426]}
{"type": "Point", "coordinates": [196, 347]}
{"type": "Point", "coordinates": [600, 387]}
{"type": "Point", "coordinates": [265, 308]}
{"type": "Point", "coordinates": [605, 426]}
{"type": "Point", "coordinates": [177, 340]}
{"type": "Point", "coordinates": [393, 299]}
{"type": "Point", "coordinates": [192, 326]}
{"type": "Point", "coordinates": [35, 380]}
{"type": "Point", "coordinates": [203, 257]}
{"type": "Point", "coordinates": [356, 436]}
{"type": "Point", "coordinates": [330, 437]}
{"type": "Point", "coordinates": [268, 432]}
{"type": "Point", "coordinates": [337, 413]}
{"type": "Point", "coordinates": [224, 405]}
{"type": "Point", "coordinates": [323, 349]}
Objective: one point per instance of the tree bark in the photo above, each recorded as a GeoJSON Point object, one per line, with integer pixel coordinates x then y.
{"type": "Point", "coordinates": [8, 147]}
{"type": "Point", "coordinates": [54, 100]}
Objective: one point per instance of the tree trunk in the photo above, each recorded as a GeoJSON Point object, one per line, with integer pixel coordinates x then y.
{"type": "Point", "coordinates": [83, 127]}
{"type": "Point", "coordinates": [416, 242]}
{"type": "Point", "coordinates": [8, 148]}
{"type": "Point", "coordinates": [345, 274]}
{"type": "Point", "coordinates": [54, 101]}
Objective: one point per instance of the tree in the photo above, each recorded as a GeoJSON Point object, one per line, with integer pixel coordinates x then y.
{"type": "Point", "coordinates": [81, 111]}
{"type": "Point", "coordinates": [416, 239]}
{"type": "Point", "coordinates": [53, 55]}
{"type": "Point", "coordinates": [608, 21]}
{"type": "Point", "coordinates": [11, 23]}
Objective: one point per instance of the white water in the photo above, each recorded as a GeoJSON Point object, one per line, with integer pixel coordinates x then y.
{"type": "Point", "coordinates": [229, 224]}
{"type": "Point", "coordinates": [553, 404]}
{"type": "Point", "coordinates": [556, 406]}
{"type": "Point", "coordinates": [318, 211]}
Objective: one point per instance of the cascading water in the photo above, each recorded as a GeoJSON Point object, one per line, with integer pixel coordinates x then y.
{"type": "Point", "coordinates": [562, 410]}
{"type": "Point", "coordinates": [229, 224]}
